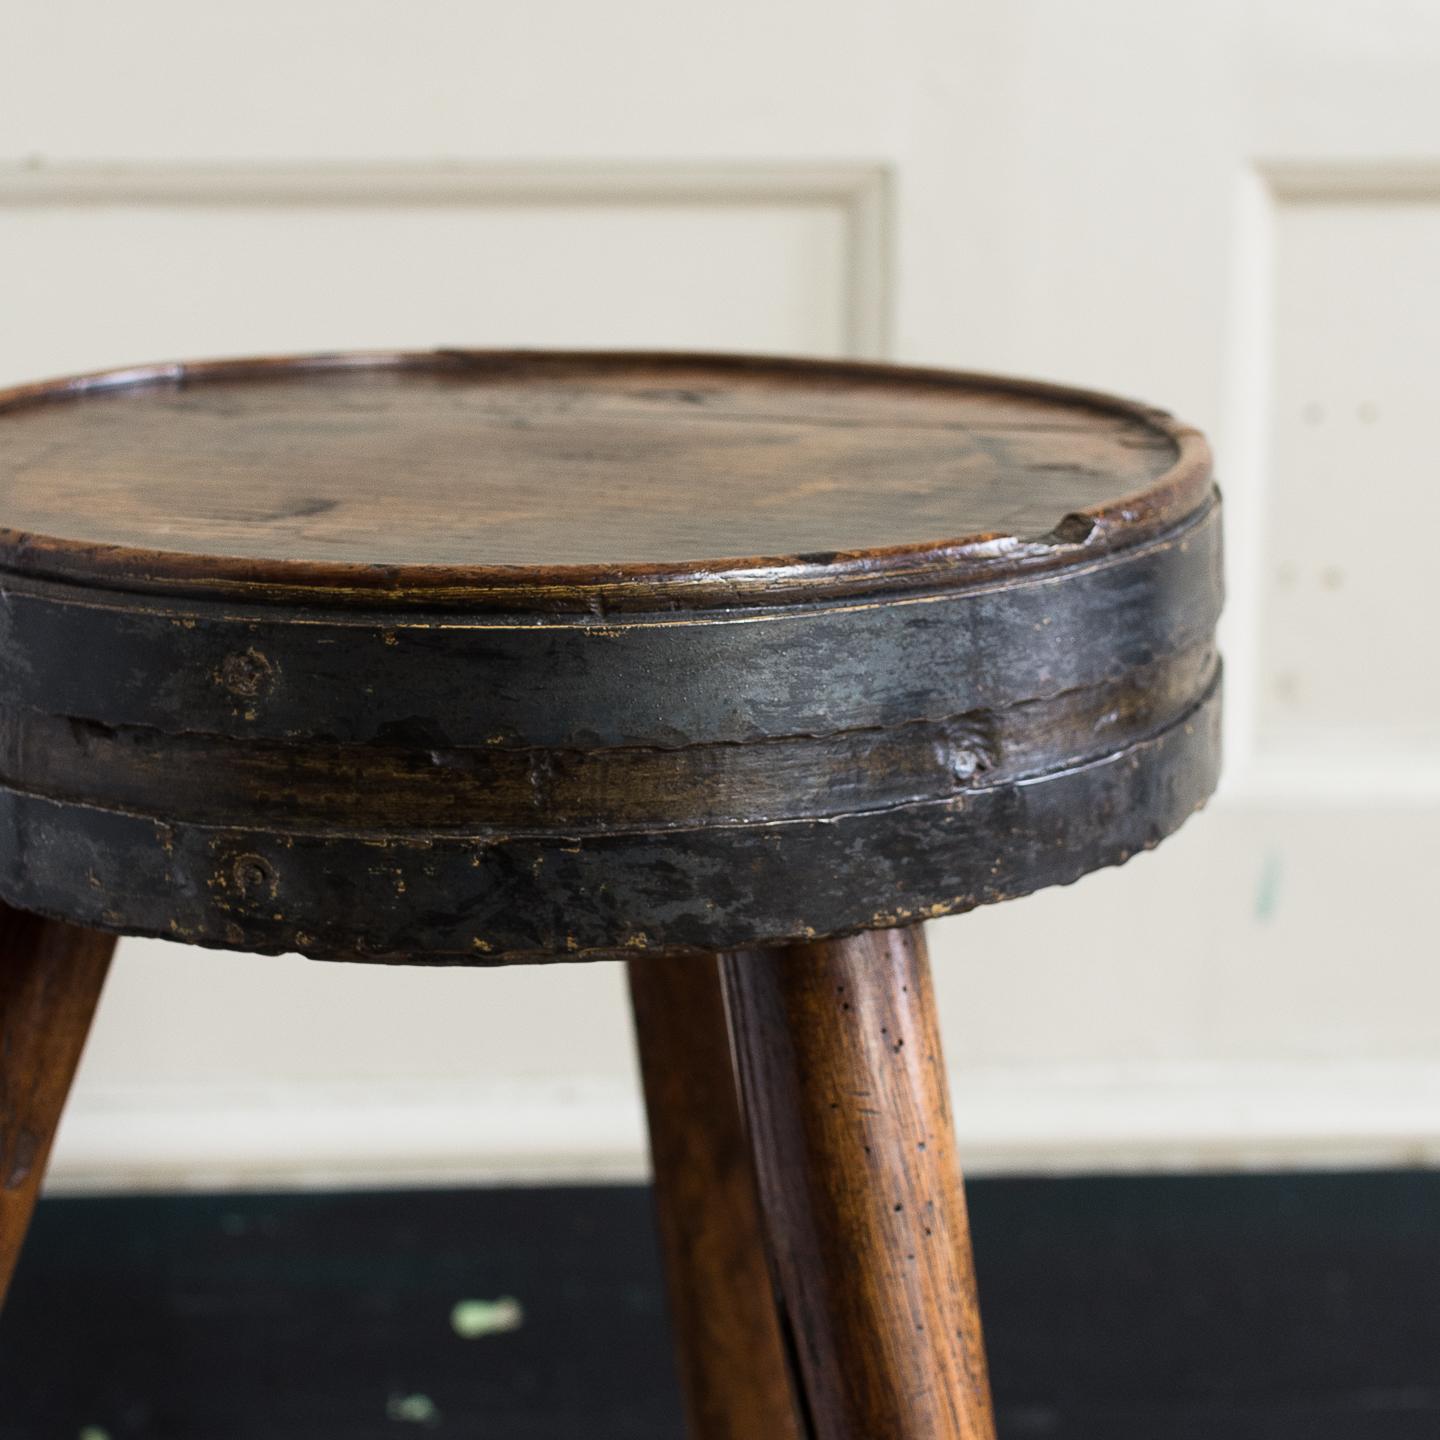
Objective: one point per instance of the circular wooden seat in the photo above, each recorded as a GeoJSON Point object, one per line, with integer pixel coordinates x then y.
{"type": "Point", "coordinates": [478, 657]}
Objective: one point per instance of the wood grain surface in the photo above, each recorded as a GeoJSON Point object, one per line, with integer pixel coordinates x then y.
{"type": "Point", "coordinates": [481, 658]}
{"type": "Point", "coordinates": [549, 475]}
{"type": "Point", "coordinates": [844, 1092]}
{"type": "Point", "coordinates": [732, 1365]}
{"type": "Point", "coordinates": [50, 979]}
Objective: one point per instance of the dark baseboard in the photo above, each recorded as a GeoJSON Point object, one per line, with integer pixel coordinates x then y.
{"type": "Point", "coordinates": [1236, 1307]}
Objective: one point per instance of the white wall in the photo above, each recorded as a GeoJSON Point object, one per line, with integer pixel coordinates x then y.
{"type": "Point", "coordinates": [1230, 208]}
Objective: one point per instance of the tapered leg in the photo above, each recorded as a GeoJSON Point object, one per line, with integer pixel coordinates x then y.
{"type": "Point", "coordinates": [732, 1366]}
{"type": "Point", "coordinates": [50, 979]}
{"type": "Point", "coordinates": [844, 1093]}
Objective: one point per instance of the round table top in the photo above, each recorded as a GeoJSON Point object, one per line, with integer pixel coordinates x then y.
{"type": "Point", "coordinates": [455, 473]}
{"type": "Point", "coordinates": [482, 658]}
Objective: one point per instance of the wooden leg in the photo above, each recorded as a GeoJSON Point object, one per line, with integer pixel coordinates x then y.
{"type": "Point", "coordinates": [732, 1366]}
{"type": "Point", "coordinates": [50, 978]}
{"type": "Point", "coordinates": [844, 1092]}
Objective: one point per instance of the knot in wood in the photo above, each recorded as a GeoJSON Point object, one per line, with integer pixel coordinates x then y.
{"type": "Point", "coordinates": [246, 673]}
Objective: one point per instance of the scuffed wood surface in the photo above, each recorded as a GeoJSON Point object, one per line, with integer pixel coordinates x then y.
{"type": "Point", "coordinates": [571, 481]}
{"type": "Point", "coordinates": [50, 979]}
{"type": "Point", "coordinates": [731, 1362]}
{"type": "Point", "coordinates": [481, 658]}
{"type": "Point", "coordinates": [844, 1091]}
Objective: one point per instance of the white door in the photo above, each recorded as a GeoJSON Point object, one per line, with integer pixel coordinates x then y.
{"type": "Point", "coordinates": [1230, 209]}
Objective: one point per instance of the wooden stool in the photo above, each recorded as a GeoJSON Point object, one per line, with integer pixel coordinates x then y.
{"type": "Point", "coordinates": [430, 659]}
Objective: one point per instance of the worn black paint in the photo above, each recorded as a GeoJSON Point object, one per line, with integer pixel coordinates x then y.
{"type": "Point", "coordinates": [1029, 730]}
{"type": "Point", "coordinates": [476, 898]}
{"type": "Point", "coordinates": [575, 682]}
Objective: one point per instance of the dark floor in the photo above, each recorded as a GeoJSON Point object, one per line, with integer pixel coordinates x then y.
{"type": "Point", "coordinates": [1139, 1308]}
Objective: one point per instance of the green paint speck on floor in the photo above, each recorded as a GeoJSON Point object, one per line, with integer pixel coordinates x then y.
{"type": "Point", "coordinates": [471, 1319]}
{"type": "Point", "coordinates": [415, 1409]}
